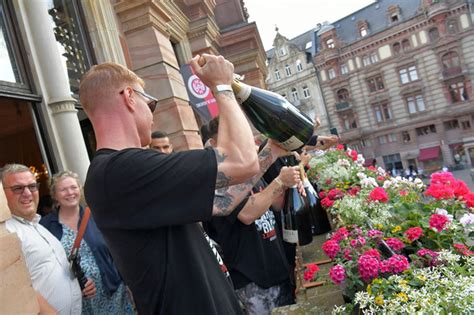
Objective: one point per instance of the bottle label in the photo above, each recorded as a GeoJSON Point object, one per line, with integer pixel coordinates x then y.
{"type": "Point", "coordinates": [292, 143]}
{"type": "Point", "coordinates": [244, 93]}
{"type": "Point", "coordinates": [290, 236]}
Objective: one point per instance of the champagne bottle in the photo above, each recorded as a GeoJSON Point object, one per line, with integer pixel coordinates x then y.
{"type": "Point", "coordinates": [296, 220]}
{"type": "Point", "coordinates": [319, 219]}
{"type": "Point", "coordinates": [274, 116]}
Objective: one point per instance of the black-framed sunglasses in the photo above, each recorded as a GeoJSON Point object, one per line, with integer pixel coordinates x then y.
{"type": "Point", "coordinates": [19, 189]}
{"type": "Point", "coordinates": [153, 100]}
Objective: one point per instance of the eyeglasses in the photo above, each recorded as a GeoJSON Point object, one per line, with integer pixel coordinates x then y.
{"type": "Point", "coordinates": [153, 100]}
{"type": "Point", "coordinates": [19, 189]}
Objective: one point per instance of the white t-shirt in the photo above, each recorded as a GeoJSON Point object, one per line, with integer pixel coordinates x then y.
{"type": "Point", "coordinates": [48, 265]}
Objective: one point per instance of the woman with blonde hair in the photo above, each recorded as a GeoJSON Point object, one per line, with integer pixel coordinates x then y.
{"type": "Point", "coordinates": [110, 296]}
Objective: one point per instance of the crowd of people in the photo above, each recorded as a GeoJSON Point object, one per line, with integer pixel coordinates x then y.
{"type": "Point", "coordinates": [190, 232]}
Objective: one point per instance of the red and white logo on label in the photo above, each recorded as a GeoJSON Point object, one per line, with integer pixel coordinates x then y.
{"type": "Point", "coordinates": [197, 88]}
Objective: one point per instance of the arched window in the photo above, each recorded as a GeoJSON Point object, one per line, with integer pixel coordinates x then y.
{"type": "Point", "coordinates": [452, 26]}
{"type": "Point", "coordinates": [277, 75]}
{"type": "Point", "coordinates": [450, 60]}
{"type": "Point", "coordinates": [343, 95]}
{"type": "Point", "coordinates": [299, 66]}
{"type": "Point", "coordinates": [366, 60]}
{"type": "Point", "coordinates": [287, 70]}
{"type": "Point", "coordinates": [433, 34]}
{"type": "Point", "coordinates": [363, 31]}
{"type": "Point", "coordinates": [330, 43]}
{"type": "Point", "coordinates": [396, 48]}
{"type": "Point", "coordinates": [406, 44]}
{"type": "Point", "coordinates": [294, 94]}
{"type": "Point", "coordinates": [282, 51]}
{"type": "Point", "coordinates": [306, 93]}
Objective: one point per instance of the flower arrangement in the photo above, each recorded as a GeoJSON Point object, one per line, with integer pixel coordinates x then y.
{"type": "Point", "coordinates": [392, 232]}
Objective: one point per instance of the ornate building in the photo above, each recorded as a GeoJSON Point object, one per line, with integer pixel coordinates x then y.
{"type": "Point", "coordinates": [46, 46]}
{"type": "Point", "coordinates": [397, 80]}
{"type": "Point", "coordinates": [292, 74]}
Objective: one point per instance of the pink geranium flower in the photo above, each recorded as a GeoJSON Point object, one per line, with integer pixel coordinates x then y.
{"type": "Point", "coordinates": [438, 221]}
{"type": "Point", "coordinates": [331, 248]}
{"type": "Point", "coordinates": [337, 274]}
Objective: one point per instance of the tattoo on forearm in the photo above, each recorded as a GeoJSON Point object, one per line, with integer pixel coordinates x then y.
{"type": "Point", "coordinates": [222, 180]}
{"type": "Point", "coordinates": [226, 198]}
{"type": "Point", "coordinates": [265, 159]}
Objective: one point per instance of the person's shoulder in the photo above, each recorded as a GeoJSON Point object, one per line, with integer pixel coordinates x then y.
{"type": "Point", "coordinates": [49, 219]}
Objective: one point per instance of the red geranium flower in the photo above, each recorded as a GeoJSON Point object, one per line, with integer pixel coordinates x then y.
{"type": "Point", "coordinates": [378, 194]}
{"type": "Point", "coordinates": [414, 233]}
{"type": "Point", "coordinates": [438, 221]}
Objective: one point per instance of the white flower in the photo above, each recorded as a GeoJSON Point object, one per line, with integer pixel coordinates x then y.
{"type": "Point", "coordinates": [361, 175]}
{"type": "Point", "coordinates": [445, 213]}
{"type": "Point", "coordinates": [368, 182]}
{"type": "Point", "coordinates": [343, 162]}
{"type": "Point", "coordinates": [467, 219]}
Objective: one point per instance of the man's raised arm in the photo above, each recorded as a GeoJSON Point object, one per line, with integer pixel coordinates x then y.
{"type": "Point", "coordinates": [236, 156]}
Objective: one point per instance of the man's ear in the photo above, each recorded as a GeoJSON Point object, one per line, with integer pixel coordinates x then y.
{"type": "Point", "coordinates": [129, 101]}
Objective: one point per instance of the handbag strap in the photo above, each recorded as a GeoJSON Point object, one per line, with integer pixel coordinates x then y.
{"type": "Point", "coordinates": [82, 229]}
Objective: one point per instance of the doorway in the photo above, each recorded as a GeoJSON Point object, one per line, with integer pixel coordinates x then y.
{"type": "Point", "coordinates": [18, 139]}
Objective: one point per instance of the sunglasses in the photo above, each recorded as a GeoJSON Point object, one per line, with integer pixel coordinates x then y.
{"type": "Point", "coordinates": [19, 189]}
{"type": "Point", "coordinates": [153, 101]}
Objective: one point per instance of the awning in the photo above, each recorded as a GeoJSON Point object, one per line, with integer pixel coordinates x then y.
{"type": "Point", "coordinates": [429, 154]}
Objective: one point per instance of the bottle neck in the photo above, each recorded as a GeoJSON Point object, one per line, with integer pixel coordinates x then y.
{"type": "Point", "coordinates": [241, 90]}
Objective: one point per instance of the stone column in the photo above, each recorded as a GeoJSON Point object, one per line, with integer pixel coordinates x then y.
{"type": "Point", "coordinates": [103, 31]}
{"type": "Point", "coordinates": [146, 27]}
{"type": "Point", "coordinates": [17, 295]}
{"type": "Point", "coordinates": [61, 115]}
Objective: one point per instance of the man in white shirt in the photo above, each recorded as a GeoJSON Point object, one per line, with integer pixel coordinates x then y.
{"type": "Point", "coordinates": [45, 257]}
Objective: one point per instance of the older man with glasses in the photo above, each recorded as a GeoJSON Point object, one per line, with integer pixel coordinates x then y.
{"type": "Point", "coordinates": [45, 257]}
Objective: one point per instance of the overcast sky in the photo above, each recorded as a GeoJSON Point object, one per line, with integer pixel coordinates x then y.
{"type": "Point", "coordinates": [294, 17]}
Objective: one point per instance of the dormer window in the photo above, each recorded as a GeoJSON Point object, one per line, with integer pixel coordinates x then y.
{"type": "Point", "coordinates": [330, 43]}
{"type": "Point", "coordinates": [282, 51]}
{"type": "Point", "coordinates": [394, 14]}
{"type": "Point", "coordinates": [363, 31]}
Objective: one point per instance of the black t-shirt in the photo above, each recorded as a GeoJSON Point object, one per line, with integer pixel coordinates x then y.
{"type": "Point", "coordinates": [253, 253]}
{"type": "Point", "coordinates": [146, 204]}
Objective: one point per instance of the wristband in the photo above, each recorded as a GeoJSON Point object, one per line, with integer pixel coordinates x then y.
{"type": "Point", "coordinates": [279, 182]}
{"type": "Point", "coordinates": [220, 88]}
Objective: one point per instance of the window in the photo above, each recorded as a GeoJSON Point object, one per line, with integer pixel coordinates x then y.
{"type": "Point", "coordinates": [425, 130]}
{"type": "Point", "coordinates": [294, 94]}
{"type": "Point", "coordinates": [382, 112]}
{"type": "Point", "coordinates": [393, 163]}
{"type": "Point", "coordinates": [344, 69]}
{"type": "Point", "coordinates": [450, 60]}
{"type": "Point", "coordinates": [406, 137]}
{"type": "Point", "coordinates": [306, 93]}
{"type": "Point", "coordinates": [405, 45]}
{"type": "Point", "coordinates": [363, 31]}
{"type": "Point", "coordinates": [365, 143]}
{"type": "Point", "coordinates": [287, 70]}
{"type": "Point", "coordinates": [374, 58]}
{"type": "Point", "coordinates": [408, 74]}
{"type": "Point", "coordinates": [331, 73]}
{"type": "Point", "coordinates": [277, 75]}
{"type": "Point", "coordinates": [375, 83]}
{"type": "Point", "coordinates": [451, 124]}
{"type": "Point", "coordinates": [348, 121]}
{"type": "Point", "coordinates": [415, 103]}
{"type": "Point", "coordinates": [366, 60]}
{"type": "Point", "coordinates": [466, 125]}
{"type": "Point", "coordinates": [330, 43]}
{"type": "Point", "coordinates": [452, 26]}
{"type": "Point", "coordinates": [343, 95]}
{"type": "Point", "coordinates": [457, 92]}
{"type": "Point", "coordinates": [394, 18]}
{"type": "Point", "coordinates": [433, 33]}
{"type": "Point", "coordinates": [299, 66]}
{"type": "Point", "coordinates": [282, 51]}
{"type": "Point", "coordinates": [396, 48]}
